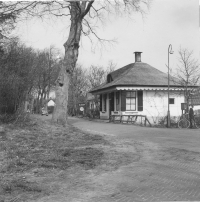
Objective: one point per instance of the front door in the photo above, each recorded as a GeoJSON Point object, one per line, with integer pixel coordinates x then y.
{"type": "Point", "coordinates": [111, 103]}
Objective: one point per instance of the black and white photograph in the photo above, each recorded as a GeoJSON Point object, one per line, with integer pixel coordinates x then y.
{"type": "Point", "coordinates": [100, 101]}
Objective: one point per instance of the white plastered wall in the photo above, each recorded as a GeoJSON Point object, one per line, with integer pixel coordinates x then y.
{"type": "Point", "coordinates": [155, 104]}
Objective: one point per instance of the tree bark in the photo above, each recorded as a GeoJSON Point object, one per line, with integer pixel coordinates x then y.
{"type": "Point", "coordinates": [71, 55]}
{"type": "Point", "coordinates": [60, 108]}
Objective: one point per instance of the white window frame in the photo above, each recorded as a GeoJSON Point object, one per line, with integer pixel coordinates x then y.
{"type": "Point", "coordinates": [131, 100]}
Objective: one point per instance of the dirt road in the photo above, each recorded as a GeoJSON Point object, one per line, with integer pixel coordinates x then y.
{"type": "Point", "coordinates": [165, 164]}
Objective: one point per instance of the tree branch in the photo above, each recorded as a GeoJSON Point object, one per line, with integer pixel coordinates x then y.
{"type": "Point", "coordinates": [87, 9]}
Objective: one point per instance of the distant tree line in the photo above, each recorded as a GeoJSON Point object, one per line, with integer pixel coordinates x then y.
{"type": "Point", "coordinates": [25, 75]}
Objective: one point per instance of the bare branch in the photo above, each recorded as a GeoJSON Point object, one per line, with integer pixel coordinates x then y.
{"type": "Point", "coordinates": [87, 9]}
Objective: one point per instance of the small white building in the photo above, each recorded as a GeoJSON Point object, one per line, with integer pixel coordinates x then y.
{"type": "Point", "coordinates": [50, 103]}
{"type": "Point", "coordinates": [92, 101]}
{"type": "Point", "coordinates": [139, 89]}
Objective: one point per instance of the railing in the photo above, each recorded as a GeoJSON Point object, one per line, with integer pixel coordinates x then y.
{"type": "Point", "coordinates": [128, 118]}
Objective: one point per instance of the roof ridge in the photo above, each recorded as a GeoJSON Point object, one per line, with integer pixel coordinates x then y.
{"type": "Point", "coordinates": [123, 74]}
{"type": "Point", "coordinates": [155, 68]}
{"type": "Point", "coordinates": [120, 68]}
{"type": "Point", "coordinates": [114, 73]}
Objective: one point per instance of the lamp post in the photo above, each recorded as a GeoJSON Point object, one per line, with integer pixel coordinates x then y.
{"type": "Point", "coordinates": [168, 112]}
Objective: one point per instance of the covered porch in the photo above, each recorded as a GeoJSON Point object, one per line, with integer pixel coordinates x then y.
{"type": "Point", "coordinates": [126, 104]}
{"type": "Point", "coordinates": [120, 102]}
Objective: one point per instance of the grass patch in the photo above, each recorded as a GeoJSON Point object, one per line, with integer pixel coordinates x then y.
{"type": "Point", "coordinates": [40, 148]}
{"type": "Point", "coordinates": [87, 157]}
{"type": "Point", "coordinates": [21, 185]}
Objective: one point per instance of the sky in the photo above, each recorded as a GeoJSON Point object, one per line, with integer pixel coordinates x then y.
{"type": "Point", "coordinates": [174, 22]}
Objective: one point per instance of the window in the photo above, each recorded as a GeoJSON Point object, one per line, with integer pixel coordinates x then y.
{"type": "Point", "coordinates": [104, 102]}
{"type": "Point", "coordinates": [130, 100]}
{"type": "Point", "coordinates": [171, 101]}
{"type": "Point", "coordinates": [117, 101]}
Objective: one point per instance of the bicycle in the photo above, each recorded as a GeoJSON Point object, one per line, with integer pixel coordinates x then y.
{"type": "Point", "coordinates": [185, 123]}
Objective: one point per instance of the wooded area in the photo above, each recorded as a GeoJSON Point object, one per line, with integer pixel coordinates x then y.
{"type": "Point", "coordinates": [28, 76]}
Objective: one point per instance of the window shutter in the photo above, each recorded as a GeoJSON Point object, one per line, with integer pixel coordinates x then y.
{"type": "Point", "coordinates": [101, 103]}
{"type": "Point", "coordinates": [123, 100]}
{"type": "Point", "coordinates": [112, 102]}
{"type": "Point", "coordinates": [140, 100]}
{"type": "Point", "coordinates": [105, 102]}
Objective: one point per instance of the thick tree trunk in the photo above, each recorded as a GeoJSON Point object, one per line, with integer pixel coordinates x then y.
{"type": "Point", "coordinates": [71, 56]}
{"type": "Point", "coordinates": [60, 109]}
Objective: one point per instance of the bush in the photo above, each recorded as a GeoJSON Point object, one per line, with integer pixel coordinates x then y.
{"type": "Point", "coordinates": [93, 113]}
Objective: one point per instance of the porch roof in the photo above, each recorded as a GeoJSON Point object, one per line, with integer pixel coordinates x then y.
{"type": "Point", "coordinates": [135, 88]}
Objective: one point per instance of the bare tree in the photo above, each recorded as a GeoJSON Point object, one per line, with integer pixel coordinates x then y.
{"type": "Point", "coordinates": [187, 72]}
{"type": "Point", "coordinates": [111, 67]}
{"type": "Point", "coordinates": [97, 76]}
{"type": "Point", "coordinates": [46, 73]}
{"type": "Point", "coordinates": [77, 89]}
{"type": "Point", "coordinates": [17, 68]}
{"type": "Point", "coordinates": [7, 20]}
{"type": "Point", "coordinates": [83, 16]}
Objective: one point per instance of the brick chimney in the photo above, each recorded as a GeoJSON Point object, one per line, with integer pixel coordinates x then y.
{"type": "Point", "coordinates": [137, 56]}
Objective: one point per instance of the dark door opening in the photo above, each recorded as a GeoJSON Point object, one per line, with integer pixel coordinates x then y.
{"type": "Point", "coordinates": [111, 103]}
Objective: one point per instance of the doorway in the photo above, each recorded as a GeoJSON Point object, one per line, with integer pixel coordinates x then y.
{"type": "Point", "coordinates": [111, 103]}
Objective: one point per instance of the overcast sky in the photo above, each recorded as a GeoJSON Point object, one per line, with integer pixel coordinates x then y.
{"type": "Point", "coordinates": [174, 22]}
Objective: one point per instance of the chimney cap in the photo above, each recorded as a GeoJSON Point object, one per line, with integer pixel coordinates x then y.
{"type": "Point", "coordinates": [137, 56]}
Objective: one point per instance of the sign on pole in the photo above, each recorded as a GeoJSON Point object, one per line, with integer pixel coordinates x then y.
{"type": "Point", "coordinates": [81, 107]}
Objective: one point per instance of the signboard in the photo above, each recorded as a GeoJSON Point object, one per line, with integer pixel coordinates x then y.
{"type": "Point", "coordinates": [81, 104]}
{"type": "Point", "coordinates": [81, 109]}
{"type": "Point", "coordinates": [183, 106]}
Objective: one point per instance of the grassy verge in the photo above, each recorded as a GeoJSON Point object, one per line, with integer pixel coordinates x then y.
{"type": "Point", "coordinates": [33, 156]}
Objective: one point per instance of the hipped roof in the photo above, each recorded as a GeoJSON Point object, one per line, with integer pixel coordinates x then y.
{"type": "Point", "coordinates": [137, 74]}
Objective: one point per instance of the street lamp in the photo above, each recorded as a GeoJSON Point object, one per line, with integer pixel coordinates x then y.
{"type": "Point", "coordinates": [168, 112]}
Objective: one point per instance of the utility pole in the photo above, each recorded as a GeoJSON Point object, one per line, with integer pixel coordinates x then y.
{"type": "Point", "coordinates": [168, 112]}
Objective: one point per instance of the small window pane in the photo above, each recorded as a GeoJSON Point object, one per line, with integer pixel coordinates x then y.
{"type": "Point", "coordinates": [133, 101]}
{"type": "Point", "coordinates": [171, 100]}
{"type": "Point", "coordinates": [128, 107]}
{"type": "Point", "coordinates": [128, 100]}
{"type": "Point", "coordinates": [132, 107]}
